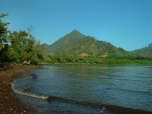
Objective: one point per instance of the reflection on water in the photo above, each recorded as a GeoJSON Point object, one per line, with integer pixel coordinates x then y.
{"type": "Point", "coordinates": [127, 86]}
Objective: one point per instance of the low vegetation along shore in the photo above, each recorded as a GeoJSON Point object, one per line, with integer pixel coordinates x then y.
{"type": "Point", "coordinates": [8, 103]}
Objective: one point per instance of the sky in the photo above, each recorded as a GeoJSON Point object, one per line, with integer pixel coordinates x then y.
{"type": "Point", "coordinates": [124, 23]}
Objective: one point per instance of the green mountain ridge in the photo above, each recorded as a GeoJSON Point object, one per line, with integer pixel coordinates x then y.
{"type": "Point", "coordinates": [76, 47]}
{"type": "Point", "coordinates": [144, 52]}
{"type": "Point", "coordinates": [76, 43]}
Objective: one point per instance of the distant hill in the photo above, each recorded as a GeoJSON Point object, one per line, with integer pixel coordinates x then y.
{"type": "Point", "coordinates": [78, 44]}
{"type": "Point", "coordinates": [144, 52]}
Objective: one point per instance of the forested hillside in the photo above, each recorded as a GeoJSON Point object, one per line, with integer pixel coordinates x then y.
{"type": "Point", "coordinates": [77, 47]}
{"type": "Point", "coordinates": [74, 47]}
{"type": "Point", "coordinates": [145, 52]}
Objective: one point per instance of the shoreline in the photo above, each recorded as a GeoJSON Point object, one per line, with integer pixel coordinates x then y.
{"type": "Point", "coordinates": [107, 107]}
{"type": "Point", "coordinates": [106, 64]}
{"type": "Point", "coordinates": [9, 104]}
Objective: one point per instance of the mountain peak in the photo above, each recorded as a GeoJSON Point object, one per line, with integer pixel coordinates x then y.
{"type": "Point", "coordinates": [76, 43]}
{"type": "Point", "coordinates": [75, 32]}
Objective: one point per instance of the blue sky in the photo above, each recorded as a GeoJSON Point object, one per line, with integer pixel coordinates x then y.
{"type": "Point", "coordinates": [125, 23]}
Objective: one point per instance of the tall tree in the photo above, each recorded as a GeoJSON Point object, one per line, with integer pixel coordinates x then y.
{"type": "Point", "coordinates": [3, 39]}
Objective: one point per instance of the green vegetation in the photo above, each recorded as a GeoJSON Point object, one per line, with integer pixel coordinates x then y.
{"type": "Point", "coordinates": [79, 48]}
{"type": "Point", "coordinates": [76, 43]}
{"type": "Point", "coordinates": [145, 52]}
{"type": "Point", "coordinates": [18, 46]}
{"type": "Point", "coordinates": [75, 47]}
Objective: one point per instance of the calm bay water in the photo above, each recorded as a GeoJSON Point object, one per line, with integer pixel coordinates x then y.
{"type": "Point", "coordinates": [126, 86]}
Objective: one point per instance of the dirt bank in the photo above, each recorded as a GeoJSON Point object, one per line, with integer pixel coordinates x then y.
{"type": "Point", "coordinates": [8, 103]}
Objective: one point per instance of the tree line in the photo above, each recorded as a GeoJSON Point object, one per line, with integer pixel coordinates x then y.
{"type": "Point", "coordinates": [22, 47]}
{"type": "Point", "coordinates": [18, 46]}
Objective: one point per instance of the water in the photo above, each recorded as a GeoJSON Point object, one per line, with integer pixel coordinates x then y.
{"type": "Point", "coordinates": [126, 86]}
